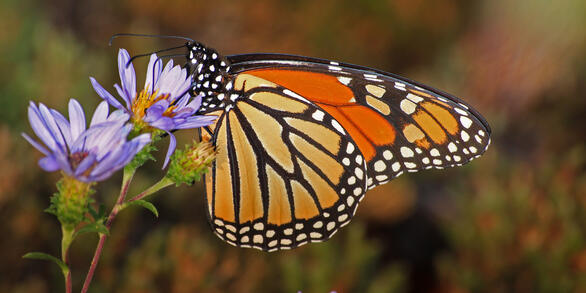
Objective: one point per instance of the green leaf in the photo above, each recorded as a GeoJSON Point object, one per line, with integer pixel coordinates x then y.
{"type": "Point", "coordinates": [97, 215]}
{"type": "Point", "coordinates": [145, 204]}
{"type": "Point", "coordinates": [48, 257]}
{"type": "Point", "coordinates": [92, 228]}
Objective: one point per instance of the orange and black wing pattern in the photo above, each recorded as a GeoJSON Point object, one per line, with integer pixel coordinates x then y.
{"type": "Point", "coordinates": [399, 125]}
{"type": "Point", "coordinates": [278, 181]}
{"type": "Point", "coordinates": [299, 141]}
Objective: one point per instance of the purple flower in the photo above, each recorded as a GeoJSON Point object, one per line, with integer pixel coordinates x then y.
{"type": "Point", "coordinates": [91, 154]}
{"type": "Point", "coordinates": [164, 103]}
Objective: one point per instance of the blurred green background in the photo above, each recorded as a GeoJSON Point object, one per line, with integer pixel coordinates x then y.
{"type": "Point", "coordinates": [512, 221]}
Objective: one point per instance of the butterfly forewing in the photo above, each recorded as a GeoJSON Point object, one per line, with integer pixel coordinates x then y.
{"type": "Point", "coordinates": [399, 126]}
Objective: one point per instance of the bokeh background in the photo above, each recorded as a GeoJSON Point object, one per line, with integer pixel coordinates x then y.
{"type": "Point", "coordinates": [512, 221]}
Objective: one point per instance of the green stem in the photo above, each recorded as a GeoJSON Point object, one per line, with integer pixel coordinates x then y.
{"type": "Point", "coordinates": [154, 188]}
{"type": "Point", "coordinates": [66, 240]}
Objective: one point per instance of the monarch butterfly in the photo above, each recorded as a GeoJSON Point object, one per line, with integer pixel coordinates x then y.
{"type": "Point", "coordinates": [300, 140]}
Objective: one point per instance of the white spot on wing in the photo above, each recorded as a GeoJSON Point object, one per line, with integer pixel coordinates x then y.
{"type": "Point", "coordinates": [338, 127]}
{"type": "Point", "coordinates": [434, 152]}
{"type": "Point", "coordinates": [465, 136]}
{"type": "Point", "coordinates": [350, 201]}
{"type": "Point", "coordinates": [350, 148]}
{"type": "Point", "coordinates": [396, 166]}
{"type": "Point", "coordinates": [414, 98]}
{"type": "Point", "coordinates": [387, 155]}
{"type": "Point", "coordinates": [379, 166]}
{"type": "Point", "coordinates": [465, 121]}
{"type": "Point", "coordinates": [460, 111]}
{"type": "Point", "coordinates": [295, 95]}
{"type": "Point", "coordinates": [407, 106]}
{"type": "Point", "coordinates": [452, 147]}
{"type": "Point", "coordinates": [344, 80]}
{"type": "Point", "coordinates": [318, 115]}
{"type": "Point", "coordinates": [406, 152]}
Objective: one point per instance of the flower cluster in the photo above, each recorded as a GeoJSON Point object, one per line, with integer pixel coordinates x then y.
{"type": "Point", "coordinates": [91, 154]}
{"type": "Point", "coordinates": [122, 139]}
{"type": "Point", "coordinates": [95, 153]}
{"type": "Point", "coordinates": [163, 104]}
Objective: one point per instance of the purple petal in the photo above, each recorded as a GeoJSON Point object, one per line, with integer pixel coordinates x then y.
{"type": "Point", "coordinates": [104, 94]}
{"type": "Point", "coordinates": [170, 81]}
{"type": "Point", "coordinates": [126, 155]}
{"type": "Point", "coordinates": [81, 143]}
{"type": "Point", "coordinates": [196, 121]}
{"type": "Point", "coordinates": [153, 73]}
{"type": "Point", "coordinates": [118, 116]}
{"type": "Point", "coordinates": [64, 126]}
{"type": "Point", "coordinates": [154, 113]}
{"type": "Point", "coordinates": [49, 164]}
{"type": "Point", "coordinates": [141, 141]}
{"type": "Point", "coordinates": [52, 126]}
{"type": "Point", "coordinates": [195, 103]}
{"type": "Point", "coordinates": [164, 103]}
{"type": "Point", "coordinates": [36, 145]}
{"type": "Point", "coordinates": [108, 163]}
{"type": "Point", "coordinates": [128, 99]}
{"type": "Point", "coordinates": [39, 127]}
{"type": "Point", "coordinates": [172, 145]}
{"type": "Point", "coordinates": [77, 118]}
{"type": "Point", "coordinates": [100, 177]}
{"type": "Point", "coordinates": [101, 113]}
{"type": "Point", "coordinates": [164, 123]}
{"type": "Point", "coordinates": [108, 139]}
{"type": "Point", "coordinates": [63, 162]}
{"type": "Point", "coordinates": [85, 164]}
{"type": "Point", "coordinates": [132, 147]}
{"type": "Point", "coordinates": [127, 74]}
{"type": "Point", "coordinates": [183, 113]}
{"type": "Point", "coordinates": [180, 104]}
{"type": "Point", "coordinates": [168, 67]}
{"type": "Point", "coordinates": [185, 84]}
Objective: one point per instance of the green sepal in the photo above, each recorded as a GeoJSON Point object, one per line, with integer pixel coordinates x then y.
{"type": "Point", "coordinates": [48, 257]}
{"type": "Point", "coordinates": [143, 203]}
{"type": "Point", "coordinates": [70, 203]}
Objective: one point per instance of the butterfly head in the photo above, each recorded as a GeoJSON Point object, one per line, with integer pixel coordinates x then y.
{"type": "Point", "coordinates": [208, 69]}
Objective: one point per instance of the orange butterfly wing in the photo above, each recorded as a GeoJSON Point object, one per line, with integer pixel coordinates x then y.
{"type": "Point", "coordinates": [299, 141]}
{"type": "Point", "coordinates": [397, 126]}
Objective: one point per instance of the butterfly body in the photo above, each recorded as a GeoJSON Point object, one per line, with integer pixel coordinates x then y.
{"type": "Point", "coordinates": [300, 140]}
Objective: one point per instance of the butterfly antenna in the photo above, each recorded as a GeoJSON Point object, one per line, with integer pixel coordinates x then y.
{"type": "Point", "coordinates": [115, 36]}
{"type": "Point", "coordinates": [155, 52]}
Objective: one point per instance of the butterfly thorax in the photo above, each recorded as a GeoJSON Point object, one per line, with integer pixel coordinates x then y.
{"type": "Point", "coordinates": [210, 75]}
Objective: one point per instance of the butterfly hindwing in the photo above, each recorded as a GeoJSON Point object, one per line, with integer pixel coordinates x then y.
{"type": "Point", "coordinates": [278, 180]}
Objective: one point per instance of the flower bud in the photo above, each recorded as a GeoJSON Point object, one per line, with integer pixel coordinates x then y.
{"type": "Point", "coordinates": [70, 203]}
{"type": "Point", "coordinates": [187, 166]}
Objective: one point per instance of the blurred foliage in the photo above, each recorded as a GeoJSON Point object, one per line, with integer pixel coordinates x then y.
{"type": "Point", "coordinates": [513, 220]}
{"type": "Point", "coordinates": [532, 240]}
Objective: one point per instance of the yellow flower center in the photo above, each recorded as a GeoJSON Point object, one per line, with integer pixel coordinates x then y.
{"type": "Point", "coordinates": [146, 100]}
